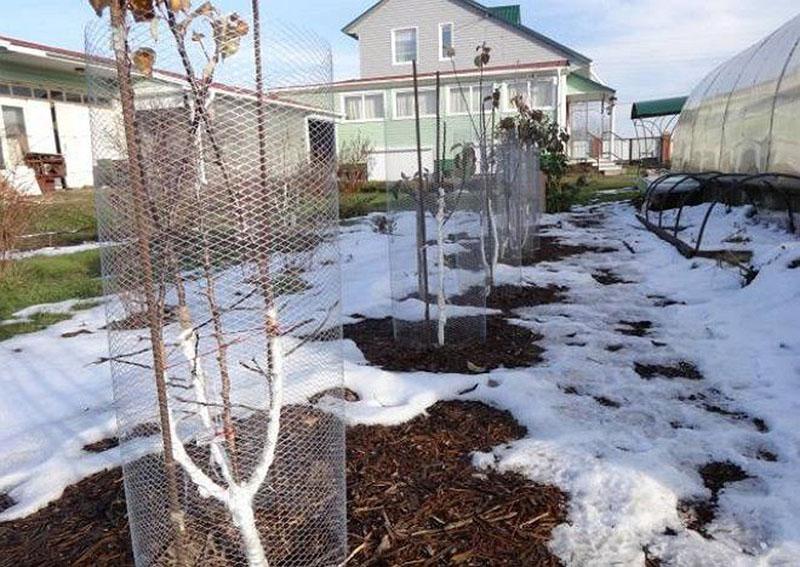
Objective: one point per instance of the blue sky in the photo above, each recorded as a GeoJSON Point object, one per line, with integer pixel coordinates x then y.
{"type": "Point", "coordinates": [643, 48]}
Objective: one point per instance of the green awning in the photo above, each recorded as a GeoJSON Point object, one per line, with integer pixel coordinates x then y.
{"type": "Point", "coordinates": [511, 13]}
{"type": "Point", "coordinates": [578, 84]}
{"type": "Point", "coordinates": [661, 107]}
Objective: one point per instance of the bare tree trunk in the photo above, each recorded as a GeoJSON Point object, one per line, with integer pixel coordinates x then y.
{"type": "Point", "coordinates": [422, 238]}
{"type": "Point", "coordinates": [154, 310]}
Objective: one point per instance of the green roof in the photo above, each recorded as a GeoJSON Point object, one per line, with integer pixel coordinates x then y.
{"type": "Point", "coordinates": [511, 13]}
{"type": "Point", "coordinates": [660, 107]}
{"type": "Point", "coordinates": [578, 84]}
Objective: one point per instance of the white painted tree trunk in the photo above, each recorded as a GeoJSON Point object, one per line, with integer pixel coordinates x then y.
{"type": "Point", "coordinates": [238, 497]}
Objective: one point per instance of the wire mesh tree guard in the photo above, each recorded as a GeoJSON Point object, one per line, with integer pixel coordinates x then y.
{"type": "Point", "coordinates": [457, 234]}
{"type": "Point", "coordinates": [220, 201]}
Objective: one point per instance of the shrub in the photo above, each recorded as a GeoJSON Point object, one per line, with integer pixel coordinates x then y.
{"type": "Point", "coordinates": [15, 216]}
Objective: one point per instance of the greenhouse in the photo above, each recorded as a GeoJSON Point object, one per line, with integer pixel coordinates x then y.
{"type": "Point", "coordinates": [744, 116]}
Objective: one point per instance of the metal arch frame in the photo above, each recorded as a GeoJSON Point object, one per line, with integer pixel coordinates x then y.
{"type": "Point", "coordinates": [743, 182]}
{"type": "Point", "coordinates": [703, 184]}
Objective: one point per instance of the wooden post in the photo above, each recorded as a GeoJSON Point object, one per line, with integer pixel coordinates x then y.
{"type": "Point", "coordinates": [422, 239]}
{"type": "Point", "coordinates": [143, 242]}
{"type": "Point", "coordinates": [437, 159]}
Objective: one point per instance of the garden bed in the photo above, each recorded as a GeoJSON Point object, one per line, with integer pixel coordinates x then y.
{"type": "Point", "coordinates": [413, 496]}
{"type": "Point", "coordinates": [506, 345]}
{"type": "Point", "coordinates": [552, 249]}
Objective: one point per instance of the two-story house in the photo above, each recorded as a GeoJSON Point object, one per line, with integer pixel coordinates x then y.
{"type": "Point", "coordinates": [442, 35]}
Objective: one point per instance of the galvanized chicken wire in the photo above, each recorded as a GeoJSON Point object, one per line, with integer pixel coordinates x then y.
{"type": "Point", "coordinates": [517, 200]}
{"type": "Point", "coordinates": [221, 208]}
{"type": "Point", "coordinates": [437, 258]}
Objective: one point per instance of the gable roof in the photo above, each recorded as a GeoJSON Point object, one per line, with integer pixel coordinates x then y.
{"type": "Point", "coordinates": [505, 15]}
{"type": "Point", "coordinates": [71, 61]}
{"type": "Point", "coordinates": [512, 13]}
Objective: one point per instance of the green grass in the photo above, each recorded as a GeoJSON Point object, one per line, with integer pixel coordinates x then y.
{"type": "Point", "coordinates": [68, 214]}
{"type": "Point", "coordinates": [360, 204]}
{"type": "Point", "coordinates": [50, 279]}
{"type": "Point", "coordinates": [37, 322]}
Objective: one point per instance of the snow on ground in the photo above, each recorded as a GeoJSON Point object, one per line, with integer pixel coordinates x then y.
{"type": "Point", "coordinates": [59, 250]}
{"type": "Point", "coordinates": [626, 465]}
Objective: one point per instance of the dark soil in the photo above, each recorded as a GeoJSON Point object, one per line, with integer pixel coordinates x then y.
{"type": "Point", "coordinates": [664, 301]}
{"type": "Point", "coordinates": [72, 334]}
{"type": "Point", "coordinates": [606, 402]}
{"type": "Point", "coordinates": [635, 328]}
{"type": "Point", "coordinates": [551, 249]}
{"type": "Point", "coordinates": [507, 298]}
{"type": "Point", "coordinates": [767, 455]}
{"type": "Point", "coordinates": [794, 264]}
{"type": "Point", "coordinates": [6, 502]}
{"type": "Point", "coordinates": [760, 425]}
{"type": "Point", "coordinates": [651, 560]}
{"type": "Point", "coordinates": [423, 502]}
{"type": "Point", "coordinates": [682, 369]}
{"type": "Point", "coordinates": [586, 221]}
{"type": "Point", "coordinates": [413, 497]}
{"type": "Point", "coordinates": [506, 345]}
{"type": "Point", "coordinates": [607, 277]}
{"type": "Point", "coordinates": [102, 445]}
{"type": "Point", "coordinates": [698, 514]}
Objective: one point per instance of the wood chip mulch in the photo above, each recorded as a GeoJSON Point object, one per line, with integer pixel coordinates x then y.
{"type": "Point", "coordinates": [698, 513]}
{"type": "Point", "coordinates": [507, 298]}
{"type": "Point", "coordinates": [552, 249]}
{"type": "Point", "coordinates": [413, 498]}
{"type": "Point", "coordinates": [681, 369]}
{"type": "Point", "coordinates": [424, 503]}
{"type": "Point", "coordinates": [506, 345]}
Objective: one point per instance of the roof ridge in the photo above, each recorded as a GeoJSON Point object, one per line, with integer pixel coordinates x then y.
{"type": "Point", "coordinates": [488, 12]}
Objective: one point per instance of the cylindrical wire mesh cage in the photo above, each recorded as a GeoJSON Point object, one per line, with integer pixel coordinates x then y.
{"type": "Point", "coordinates": [457, 234]}
{"type": "Point", "coordinates": [437, 260]}
{"type": "Point", "coordinates": [517, 200]}
{"type": "Point", "coordinates": [219, 203]}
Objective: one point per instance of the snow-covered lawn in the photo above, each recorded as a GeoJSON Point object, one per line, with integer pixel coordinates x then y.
{"type": "Point", "coordinates": [625, 448]}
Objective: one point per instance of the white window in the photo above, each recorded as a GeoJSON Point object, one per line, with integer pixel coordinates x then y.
{"type": "Point", "coordinates": [404, 104]}
{"type": "Point", "coordinates": [446, 44]}
{"type": "Point", "coordinates": [364, 107]}
{"type": "Point", "coordinates": [518, 89]}
{"type": "Point", "coordinates": [537, 93]}
{"type": "Point", "coordinates": [543, 93]}
{"type": "Point", "coordinates": [404, 46]}
{"type": "Point", "coordinates": [468, 99]}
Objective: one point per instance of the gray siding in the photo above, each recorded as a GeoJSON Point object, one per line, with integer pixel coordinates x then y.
{"type": "Point", "coordinates": [471, 28]}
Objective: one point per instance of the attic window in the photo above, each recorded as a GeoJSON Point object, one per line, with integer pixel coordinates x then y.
{"type": "Point", "coordinates": [404, 45]}
{"type": "Point", "coordinates": [445, 42]}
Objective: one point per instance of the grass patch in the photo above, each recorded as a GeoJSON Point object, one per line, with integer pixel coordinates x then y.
{"type": "Point", "coordinates": [360, 204]}
{"type": "Point", "coordinates": [50, 279]}
{"type": "Point", "coordinates": [69, 217]}
{"type": "Point", "coordinates": [36, 323]}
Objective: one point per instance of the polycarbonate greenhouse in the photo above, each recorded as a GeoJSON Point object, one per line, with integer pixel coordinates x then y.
{"type": "Point", "coordinates": [744, 117]}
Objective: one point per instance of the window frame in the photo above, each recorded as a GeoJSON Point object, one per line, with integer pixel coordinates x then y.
{"type": "Point", "coordinates": [471, 87]}
{"type": "Point", "coordinates": [362, 95]}
{"type": "Point", "coordinates": [421, 90]}
{"type": "Point", "coordinates": [552, 79]}
{"type": "Point", "coordinates": [394, 45]}
{"type": "Point", "coordinates": [442, 56]}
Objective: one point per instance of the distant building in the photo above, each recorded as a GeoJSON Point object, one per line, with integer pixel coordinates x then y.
{"type": "Point", "coordinates": [45, 112]}
{"type": "Point", "coordinates": [442, 35]}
